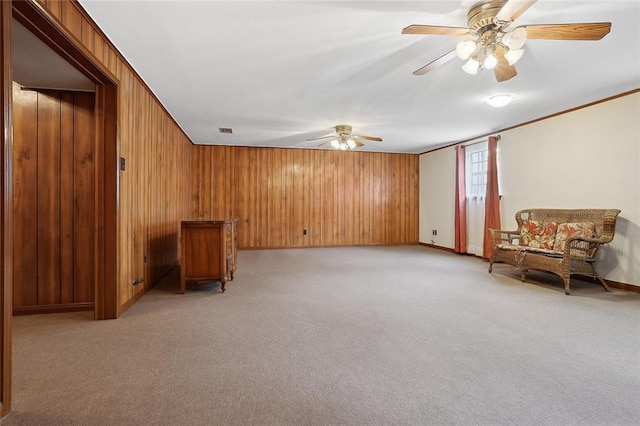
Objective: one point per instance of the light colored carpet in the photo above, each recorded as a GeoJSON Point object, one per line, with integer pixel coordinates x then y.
{"type": "Point", "coordinates": [341, 336]}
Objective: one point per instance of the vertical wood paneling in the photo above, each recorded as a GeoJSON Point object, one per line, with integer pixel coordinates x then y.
{"type": "Point", "coordinates": [275, 193]}
{"type": "Point", "coordinates": [54, 7]}
{"type": "Point", "coordinates": [205, 182]}
{"type": "Point", "coordinates": [196, 175]}
{"type": "Point", "coordinates": [113, 62]}
{"type": "Point", "coordinates": [365, 197]}
{"type": "Point", "coordinates": [156, 189]}
{"type": "Point", "coordinates": [67, 199]}
{"type": "Point", "coordinates": [71, 18]}
{"type": "Point", "coordinates": [55, 222]}
{"type": "Point", "coordinates": [99, 48]}
{"type": "Point", "coordinates": [308, 195]}
{"type": "Point", "coordinates": [340, 198]}
{"type": "Point", "coordinates": [275, 198]}
{"type": "Point", "coordinates": [84, 197]}
{"type": "Point", "coordinates": [86, 36]}
{"type": "Point", "coordinates": [298, 206]}
{"type": "Point", "coordinates": [25, 201]}
{"type": "Point", "coordinates": [317, 213]}
{"type": "Point", "coordinates": [350, 182]}
{"type": "Point", "coordinates": [48, 210]}
{"type": "Point", "coordinates": [126, 186]}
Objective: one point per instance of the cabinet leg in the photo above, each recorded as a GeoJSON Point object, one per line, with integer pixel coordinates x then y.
{"type": "Point", "coordinates": [223, 283]}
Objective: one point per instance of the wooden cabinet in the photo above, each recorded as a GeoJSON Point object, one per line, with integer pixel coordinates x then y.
{"type": "Point", "coordinates": [208, 251]}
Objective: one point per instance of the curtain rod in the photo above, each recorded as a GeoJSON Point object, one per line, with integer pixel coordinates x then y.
{"type": "Point", "coordinates": [478, 141]}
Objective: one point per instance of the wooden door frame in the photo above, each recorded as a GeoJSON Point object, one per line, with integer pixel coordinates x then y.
{"type": "Point", "coordinates": [5, 218]}
{"type": "Point", "coordinates": [37, 20]}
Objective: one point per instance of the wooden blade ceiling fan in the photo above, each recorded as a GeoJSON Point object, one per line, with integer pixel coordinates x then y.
{"type": "Point", "coordinates": [491, 42]}
{"type": "Point", "coordinates": [343, 139]}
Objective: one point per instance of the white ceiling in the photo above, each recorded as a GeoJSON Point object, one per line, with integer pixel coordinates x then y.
{"type": "Point", "coordinates": [36, 65]}
{"type": "Point", "coordinates": [280, 72]}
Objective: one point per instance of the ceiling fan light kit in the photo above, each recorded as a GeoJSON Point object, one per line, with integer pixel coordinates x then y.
{"type": "Point", "coordinates": [513, 55]}
{"type": "Point", "coordinates": [343, 143]}
{"type": "Point", "coordinates": [492, 42]}
{"type": "Point", "coordinates": [471, 66]}
{"type": "Point", "coordinates": [343, 139]}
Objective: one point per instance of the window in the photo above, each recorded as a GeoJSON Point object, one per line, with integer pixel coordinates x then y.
{"type": "Point", "coordinates": [476, 169]}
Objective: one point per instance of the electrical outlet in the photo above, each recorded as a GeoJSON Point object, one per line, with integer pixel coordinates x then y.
{"type": "Point", "coordinates": [304, 232]}
{"type": "Point", "coordinates": [435, 232]}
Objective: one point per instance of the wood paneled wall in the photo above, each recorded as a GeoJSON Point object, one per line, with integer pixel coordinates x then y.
{"type": "Point", "coordinates": [338, 197]}
{"type": "Point", "coordinates": [53, 198]}
{"type": "Point", "coordinates": [154, 187]}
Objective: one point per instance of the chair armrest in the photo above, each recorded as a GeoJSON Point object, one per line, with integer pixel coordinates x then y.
{"type": "Point", "coordinates": [590, 240]}
{"type": "Point", "coordinates": [499, 236]}
{"type": "Point", "coordinates": [589, 250]}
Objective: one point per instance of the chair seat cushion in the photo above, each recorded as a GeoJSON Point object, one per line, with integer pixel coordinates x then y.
{"type": "Point", "coordinates": [549, 252]}
{"type": "Point", "coordinates": [538, 234]}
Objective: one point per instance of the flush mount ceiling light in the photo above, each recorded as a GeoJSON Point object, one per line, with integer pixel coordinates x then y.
{"type": "Point", "coordinates": [500, 100]}
{"type": "Point", "coordinates": [492, 41]}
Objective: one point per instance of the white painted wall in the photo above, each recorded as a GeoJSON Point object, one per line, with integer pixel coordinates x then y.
{"type": "Point", "coordinates": [587, 158]}
{"type": "Point", "coordinates": [437, 197]}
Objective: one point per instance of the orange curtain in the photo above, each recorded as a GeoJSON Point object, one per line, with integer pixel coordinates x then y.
{"type": "Point", "coordinates": [460, 202]}
{"type": "Point", "coordinates": [492, 200]}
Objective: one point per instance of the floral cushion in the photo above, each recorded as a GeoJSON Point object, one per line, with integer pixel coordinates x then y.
{"type": "Point", "coordinates": [538, 234]}
{"type": "Point", "coordinates": [553, 253]}
{"type": "Point", "coordinates": [579, 229]}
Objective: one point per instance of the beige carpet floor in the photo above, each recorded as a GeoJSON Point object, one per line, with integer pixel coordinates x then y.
{"type": "Point", "coordinates": [341, 336]}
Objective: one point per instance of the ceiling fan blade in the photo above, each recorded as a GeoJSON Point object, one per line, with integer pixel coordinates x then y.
{"type": "Point", "coordinates": [322, 137]}
{"type": "Point", "coordinates": [434, 30]}
{"type": "Point", "coordinates": [503, 71]}
{"type": "Point", "coordinates": [358, 144]}
{"type": "Point", "coordinates": [324, 143]}
{"type": "Point", "coordinates": [368, 138]}
{"type": "Point", "coordinates": [435, 64]}
{"type": "Point", "coordinates": [586, 31]}
{"type": "Point", "coordinates": [513, 9]}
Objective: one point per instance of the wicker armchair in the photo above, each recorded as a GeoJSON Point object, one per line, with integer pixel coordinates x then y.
{"type": "Point", "coordinates": [578, 256]}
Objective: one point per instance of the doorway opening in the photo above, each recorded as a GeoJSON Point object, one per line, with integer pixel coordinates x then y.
{"type": "Point", "coordinates": [54, 182]}
{"type": "Point", "coordinates": [98, 213]}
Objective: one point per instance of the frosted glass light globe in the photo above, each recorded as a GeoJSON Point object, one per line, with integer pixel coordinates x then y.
{"type": "Point", "coordinates": [465, 48]}
{"type": "Point", "coordinates": [490, 62]}
{"type": "Point", "coordinates": [471, 66]}
{"type": "Point", "coordinates": [515, 39]}
{"type": "Point", "coordinates": [513, 55]}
